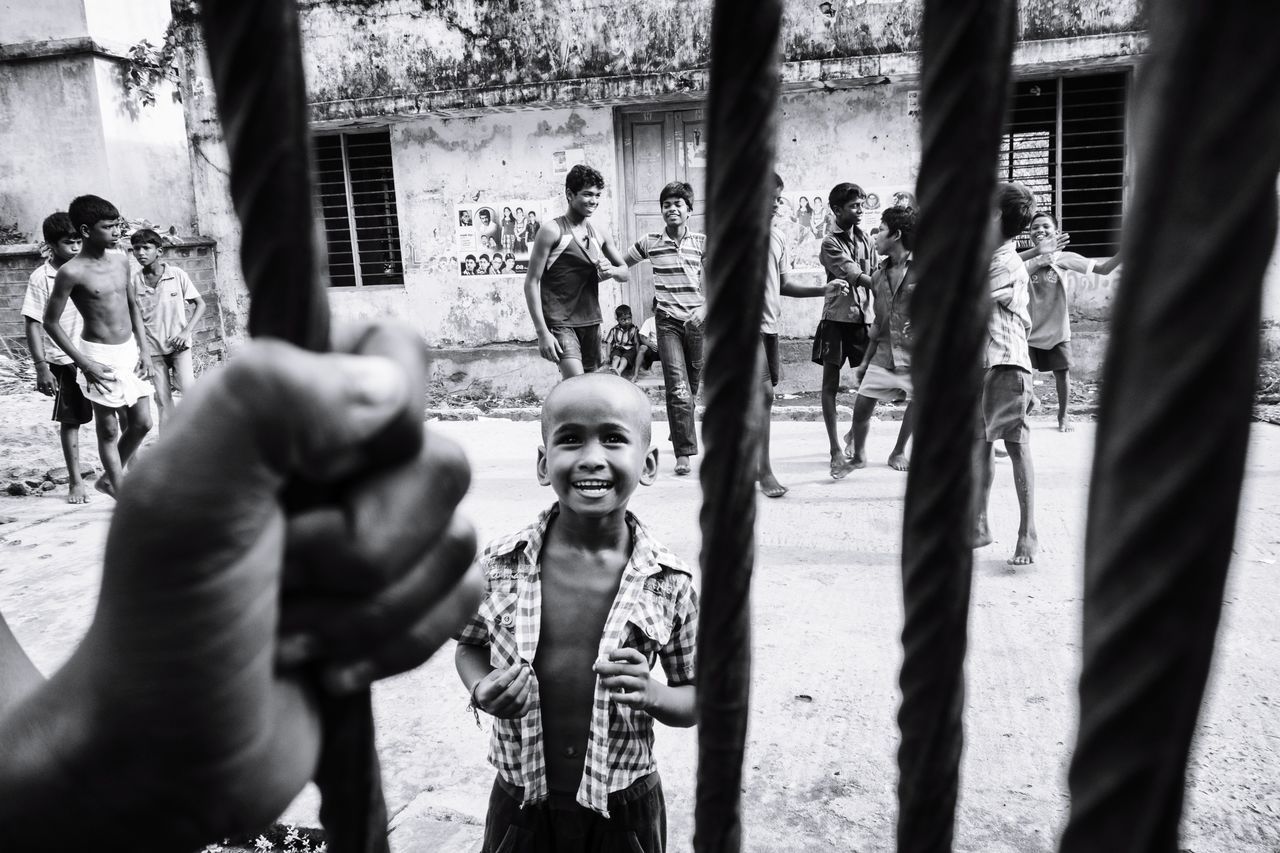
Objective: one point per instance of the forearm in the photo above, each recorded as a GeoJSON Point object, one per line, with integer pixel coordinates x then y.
{"type": "Point", "coordinates": [673, 706]}
{"type": "Point", "coordinates": [195, 318]}
{"type": "Point", "coordinates": [1107, 266]}
{"type": "Point", "coordinates": [472, 663]}
{"type": "Point", "coordinates": [872, 346]}
{"type": "Point", "coordinates": [63, 340]}
{"type": "Point", "coordinates": [802, 291]}
{"type": "Point", "coordinates": [533, 299]}
{"type": "Point", "coordinates": [140, 331]}
{"type": "Point", "coordinates": [35, 340]}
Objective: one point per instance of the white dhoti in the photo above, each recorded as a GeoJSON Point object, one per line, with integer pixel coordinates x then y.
{"type": "Point", "coordinates": [126, 387]}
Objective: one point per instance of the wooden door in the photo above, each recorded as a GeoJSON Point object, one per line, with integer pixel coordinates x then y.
{"type": "Point", "coordinates": [658, 146]}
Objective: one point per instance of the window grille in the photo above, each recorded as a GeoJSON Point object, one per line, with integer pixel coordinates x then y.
{"type": "Point", "coordinates": [1065, 140]}
{"type": "Point", "coordinates": [357, 198]}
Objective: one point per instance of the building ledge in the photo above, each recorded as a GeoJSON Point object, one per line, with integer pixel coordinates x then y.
{"type": "Point", "coordinates": [171, 242]}
{"type": "Point", "coordinates": [29, 51]}
{"type": "Point", "coordinates": [1041, 56]}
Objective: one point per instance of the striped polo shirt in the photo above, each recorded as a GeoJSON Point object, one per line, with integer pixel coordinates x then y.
{"type": "Point", "coordinates": [1010, 320]}
{"type": "Point", "coordinates": [677, 270]}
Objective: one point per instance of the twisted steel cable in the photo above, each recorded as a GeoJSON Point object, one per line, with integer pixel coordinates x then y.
{"type": "Point", "coordinates": [968, 45]}
{"type": "Point", "coordinates": [1174, 420]}
{"type": "Point", "coordinates": [256, 59]}
{"type": "Point", "coordinates": [744, 89]}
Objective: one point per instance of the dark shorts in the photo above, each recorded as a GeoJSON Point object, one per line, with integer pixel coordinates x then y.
{"type": "Point", "coordinates": [1058, 358]}
{"type": "Point", "coordinates": [580, 342]}
{"type": "Point", "coordinates": [627, 354]}
{"type": "Point", "coordinates": [1006, 390]}
{"type": "Point", "coordinates": [837, 343]}
{"type": "Point", "coordinates": [637, 822]}
{"type": "Point", "coordinates": [648, 355]}
{"type": "Point", "coordinates": [69, 404]}
{"type": "Point", "coordinates": [772, 370]}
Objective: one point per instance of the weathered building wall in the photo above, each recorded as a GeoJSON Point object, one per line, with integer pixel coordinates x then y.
{"type": "Point", "coordinates": [378, 48]}
{"type": "Point", "coordinates": [67, 126]}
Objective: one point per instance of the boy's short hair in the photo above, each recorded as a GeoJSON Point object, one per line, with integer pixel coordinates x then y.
{"type": "Point", "coordinates": [580, 177]}
{"type": "Point", "coordinates": [1017, 205]}
{"type": "Point", "coordinates": [90, 209]}
{"type": "Point", "coordinates": [842, 194]}
{"type": "Point", "coordinates": [621, 309]}
{"type": "Point", "coordinates": [778, 182]}
{"type": "Point", "coordinates": [146, 235]}
{"type": "Point", "coordinates": [56, 226]}
{"type": "Point", "coordinates": [1047, 215]}
{"type": "Point", "coordinates": [677, 189]}
{"type": "Point", "coordinates": [903, 221]}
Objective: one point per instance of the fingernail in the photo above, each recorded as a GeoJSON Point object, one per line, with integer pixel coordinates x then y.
{"type": "Point", "coordinates": [348, 679]}
{"type": "Point", "coordinates": [376, 381]}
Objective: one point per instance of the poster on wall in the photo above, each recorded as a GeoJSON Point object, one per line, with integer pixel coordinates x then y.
{"type": "Point", "coordinates": [494, 238]}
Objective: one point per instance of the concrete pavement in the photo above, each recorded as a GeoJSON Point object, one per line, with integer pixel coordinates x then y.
{"type": "Point", "coordinates": [827, 611]}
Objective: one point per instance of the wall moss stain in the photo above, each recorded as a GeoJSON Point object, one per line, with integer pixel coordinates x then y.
{"type": "Point", "coordinates": [1048, 19]}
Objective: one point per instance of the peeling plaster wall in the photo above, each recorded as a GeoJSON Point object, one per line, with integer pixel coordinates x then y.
{"type": "Point", "coordinates": [440, 163]}
{"type": "Point", "coordinates": [370, 48]}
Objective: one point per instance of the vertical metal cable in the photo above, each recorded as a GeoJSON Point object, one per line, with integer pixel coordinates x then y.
{"type": "Point", "coordinates": [1174, 420]}
{"type": "Point", "coordinates": [743, 97]}
{"type": "Point", "coordinates": [967, 45]}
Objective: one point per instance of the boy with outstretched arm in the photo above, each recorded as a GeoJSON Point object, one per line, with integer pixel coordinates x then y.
{"type": "Point", "coordinates": [676, 255]}
{"type": "Point", "coordinates": [1006, 384]}
{"type": "Point", "coordinates": [112, 351]}
{"type": "Point", "coordinates": [163, 292]}
{"type": "Point", "coordinates": [1050, 339]}
{"type": "Point", "coordinates": [55, 372]}
{"type": "Point", "coordinates": [885, 372]}
{"type": "Point", "coordinates": [846, 255]}
{"type": "Point", "coordinates": [778, 283]}
{"type": "Point", "coordinates": [562, 286]}
{"type": "Point", "coordinates": [577, 608]}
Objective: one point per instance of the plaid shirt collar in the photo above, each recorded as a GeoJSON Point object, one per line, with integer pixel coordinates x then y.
{"type": "Point", "coordinates": [648, 558]}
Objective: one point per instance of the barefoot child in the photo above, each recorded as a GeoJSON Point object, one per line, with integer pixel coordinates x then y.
{"type": "Point", "coordinates": [55, 372]}
{"type": "Point", "coordinates": [112, 351]}
{"type": "Point", "coordinates": [577, 608]}
{"type": "Point", "coordinates": [1050, 337]}
{"type": "Point", "coordinates": [846, 255]}
{"type": "Point", "coordinates": [778, 283]}
{"type": "Point", "coordinates": [163, 292]}
{"type": "Point", "coordinates": [620, 343]}
{"type": "Point", "coordinates": [562, 286]}
{"type": "Point", "coordinates": [1006, 384]}
{"type": "Point", "coordinates": [885, 372]}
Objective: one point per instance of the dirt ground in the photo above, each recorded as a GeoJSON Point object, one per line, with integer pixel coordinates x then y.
{"type": "Point", "coordinates": [827, 611]}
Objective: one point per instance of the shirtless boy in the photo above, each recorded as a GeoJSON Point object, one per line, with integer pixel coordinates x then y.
{"type": "Point", "coordinates": [578, 607]}
{"type": "Point", "coordinates": [562, 286]}
{"type": "Point", "coordinates": [112, 351]}
{"type": "Point", "coordinates": [55, 372]}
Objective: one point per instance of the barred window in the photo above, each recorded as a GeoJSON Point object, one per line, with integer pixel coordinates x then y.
{"type": "Point", "coordinates": [357, 197]}
{"type": "Point", "coordinates": [1065, 140]}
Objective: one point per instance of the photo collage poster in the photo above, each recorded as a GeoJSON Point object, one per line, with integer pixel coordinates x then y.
{"type": "Point", "coordinates": [495, 238]}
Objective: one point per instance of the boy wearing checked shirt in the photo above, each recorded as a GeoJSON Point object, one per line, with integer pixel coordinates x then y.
{"type": "Point", "coordinates": [577, 609]}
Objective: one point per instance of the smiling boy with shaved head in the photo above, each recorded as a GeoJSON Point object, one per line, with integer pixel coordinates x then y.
{"type": "Point", "coordinates": [577, 609]}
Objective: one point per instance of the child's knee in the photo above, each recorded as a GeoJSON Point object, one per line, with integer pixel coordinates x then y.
{"type": "Point", "coordinates": [107, 426]}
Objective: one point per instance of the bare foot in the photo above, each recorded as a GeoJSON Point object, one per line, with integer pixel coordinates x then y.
{"type": "Point", "coordinates": [841, 465]}
{"type": "Point", "coordinates": [103, 484]}
{"type": "Point", "coordinates": [682, 466]}
{"type": "Point", "coordinates": [1024, 553]}
{"type": "Point", "coordinates": [848, 444]}
{"type": "Point", "coordinates": [898, 462]}
{"type": "Point", "coordinates": [771, 487]}
{"type": "Point", "coordinates": [76, 494]}
{"type": "Point", "coordinates": [1066, 425]}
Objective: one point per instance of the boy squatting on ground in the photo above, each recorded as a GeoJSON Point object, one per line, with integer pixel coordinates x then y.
{"type": "Point", "coordinates": [620, 343]}
{"type": "Point", "coordinates": [1006, 383]}
{"type": "Point", "coordinates": [778, 284]}
{"type": "Point", "coordinates": [577, 607]}
{"type": "Point", "coordinates": [112, 351]}
{"type": "Point", "coordinates": [846, 255]}
{"type": "Point", "coordinates": [1050, 339]}
{"type": "Point", "coordinates": [562, 287]}
{"type": "Point", "coordinates": [163, 291]}
{"type": "Point", "coordinates": [55, 372]}
{"type": "Point", "coordinates": [676, 255]}
{"type": "Point", "coordinates": [885, 372]}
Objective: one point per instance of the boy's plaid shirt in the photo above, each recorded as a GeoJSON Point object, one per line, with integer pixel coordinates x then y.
{"type": "Point", "coordinates": [655, 611]}
{"type": "Point", "coordinates": [1010, 318]}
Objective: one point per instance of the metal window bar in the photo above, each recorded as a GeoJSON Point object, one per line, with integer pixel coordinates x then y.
{"type": "Point", "coordinates": [356, 191]}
